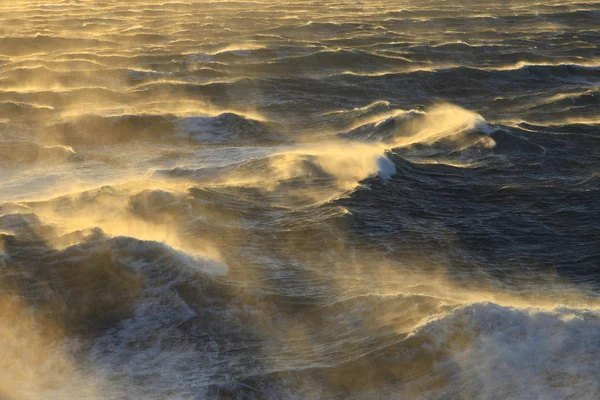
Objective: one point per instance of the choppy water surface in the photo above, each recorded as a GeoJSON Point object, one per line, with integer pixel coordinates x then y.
{"type": "Point", "coordinates": [309, 200]}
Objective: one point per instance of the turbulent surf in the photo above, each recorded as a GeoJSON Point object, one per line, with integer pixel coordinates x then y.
{"type": "Point", "coordinates": [299, 200]}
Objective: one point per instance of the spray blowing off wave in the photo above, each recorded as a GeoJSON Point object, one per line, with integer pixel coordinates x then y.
{"type": "Point", "coordinates": [440, 122]}
{"type": "Point", "coordinates": [92, 287]}
{"type": "Point", "coordinates": [303, 175]}
{"type": "Point", "coordinates": [270, 200]}
{"type": "Point", "coordinates": [436, 123]}
{"type": "Point", "coordinates": [351, 162]}
{"type": "Point", "coordinates": [342, 163]}
{"type": "Point", "coordinates": [347, 163]}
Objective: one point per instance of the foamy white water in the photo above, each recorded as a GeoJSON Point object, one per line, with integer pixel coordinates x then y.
{"type": "Point", "coordinates": [299, 200]}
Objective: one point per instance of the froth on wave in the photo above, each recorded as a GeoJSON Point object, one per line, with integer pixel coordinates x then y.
{"type": "Point", "coordinates": [436, 123]}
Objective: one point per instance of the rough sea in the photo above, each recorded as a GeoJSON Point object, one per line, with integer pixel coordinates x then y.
{"type": "Point", "coordinates": [299, 199]}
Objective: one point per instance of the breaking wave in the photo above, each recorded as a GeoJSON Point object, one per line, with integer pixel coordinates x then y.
{"type": "Point", "coordinates": [299, 200]}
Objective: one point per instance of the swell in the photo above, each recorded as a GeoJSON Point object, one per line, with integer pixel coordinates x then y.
{"type": "Point", "coordinates": [405, 360]}
{"type": "Point", "coordinates": [103, 129]}
{"type": "Point", "coordinates": [533, 74]}
{"type": "Point", "coordinates": [67, 98]}
{"type": "Point", "coordinates": [157, 289]}
{"type": "Point", "coordinates": [16, 154]}
{"type": "Point", "coordinates": [299, 200]}
{"type": "Point", "coordinates": [423, 85]}
{"type": "Point", "coordinates": [529, 172]}
{"type": "Point", "coordinates": [21, 46]}
{"type": "Point", "coordinates": [326, 61]}
{"type": "Point", "coordinates": [41, 77]}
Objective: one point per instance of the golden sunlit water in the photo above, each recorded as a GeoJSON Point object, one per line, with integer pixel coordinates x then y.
{"type": "Point", "coordinates": [299, 199]}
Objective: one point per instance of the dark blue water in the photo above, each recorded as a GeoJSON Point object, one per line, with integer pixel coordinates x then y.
{"type": "Point", "coordinates": [299, 200]}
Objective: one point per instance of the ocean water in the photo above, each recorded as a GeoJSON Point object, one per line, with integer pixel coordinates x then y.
{"type": "Point", "coordinates": [299, 199]}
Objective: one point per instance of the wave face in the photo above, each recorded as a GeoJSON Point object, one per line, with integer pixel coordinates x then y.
{"type": "Point", "coordinates": [299, 200]}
